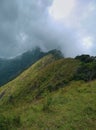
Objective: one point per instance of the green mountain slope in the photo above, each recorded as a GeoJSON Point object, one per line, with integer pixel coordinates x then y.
{"type": "Point", "coordinates": [45, 76]}
{"type": "Point", "coordinates": [10, 68]}
{"type": "Point", "coordinates": [46, 97]}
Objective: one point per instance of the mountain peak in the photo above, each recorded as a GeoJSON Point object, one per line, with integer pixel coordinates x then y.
{"type": "Point", "coordinates": [56, 53]}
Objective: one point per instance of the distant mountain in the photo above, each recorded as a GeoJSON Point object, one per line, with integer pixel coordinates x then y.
{"type": "Point", "coordinates": [10, 68]}
{"type": "Point", "coordinates": [51, 95]}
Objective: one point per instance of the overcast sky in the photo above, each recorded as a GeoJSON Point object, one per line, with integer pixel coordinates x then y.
{"type": "Point", "coordinates": [67, 25]}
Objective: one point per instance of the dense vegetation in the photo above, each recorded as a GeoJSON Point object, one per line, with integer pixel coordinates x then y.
{"type": "Point", "coordinates": [48, 96]}
{"type": "Point", "coordinates": [87, 69]}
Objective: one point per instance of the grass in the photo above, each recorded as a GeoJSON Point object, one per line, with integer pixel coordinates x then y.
{"type": "Point", "coordinates": [70, 108]}
{"type": "Point", "coordinates": [43, 77]}
{"type": "Point", "coordinates": [45, 97]}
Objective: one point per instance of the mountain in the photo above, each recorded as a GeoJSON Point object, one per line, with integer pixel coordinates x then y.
{"type": "Point", "coordinates": [48, 74]}
{"type": "Point", "coordinates": [10, 68]}
{"type": "Point", "coordinates": [48, 95]}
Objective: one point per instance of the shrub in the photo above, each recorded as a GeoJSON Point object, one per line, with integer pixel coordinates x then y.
{"type": "Point", "coordinates": [7, 123]}
{"type": "Point", "coordinates": [47, 104]}
{"type": "Point", "coordinates": [4, 123]}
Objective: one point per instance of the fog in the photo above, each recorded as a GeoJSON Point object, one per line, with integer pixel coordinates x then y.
{"type": "Point", "coordinates": [26, 24]}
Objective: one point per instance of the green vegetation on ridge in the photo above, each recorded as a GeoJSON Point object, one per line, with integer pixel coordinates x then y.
{"type": "Point", "coordinates": [46, 96]}
{"type": "Point", "coordinates": [45, 76]}
{"type": "Point", "coordinates": [11, 68]}
{"type": "Point", "coordinates": [87, 69]}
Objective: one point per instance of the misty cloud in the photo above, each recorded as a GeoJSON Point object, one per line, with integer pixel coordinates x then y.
{"type": "Point", "coordinates": [25, 24]}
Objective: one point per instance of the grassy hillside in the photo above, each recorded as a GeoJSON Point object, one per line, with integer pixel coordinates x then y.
{"type": "Point", "coordinates": [47, 75]}
{"type": "Point", "coordinates": [70, 108]}
{"type": "Point", "coordinates": [45, 97]}
{"type": "Point", "coordinates": [10, 68]}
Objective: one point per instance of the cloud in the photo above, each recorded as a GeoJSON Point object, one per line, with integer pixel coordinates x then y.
{"type": "Point", "coordinates": [25, 24]}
